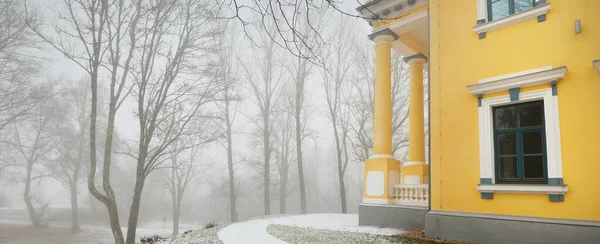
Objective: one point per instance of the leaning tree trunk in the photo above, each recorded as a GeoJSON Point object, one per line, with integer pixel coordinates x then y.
{"type": "Point", "coordinates": [113, 215]}
{"type": "Point", "coordinates": [35, 220]}
{"type": "Point", "coordinates": [135, 209]}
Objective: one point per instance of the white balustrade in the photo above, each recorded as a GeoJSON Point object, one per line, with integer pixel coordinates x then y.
{"type": "Point", "coordinates": [411, 194]}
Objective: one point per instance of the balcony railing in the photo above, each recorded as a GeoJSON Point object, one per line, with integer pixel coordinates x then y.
{"type": "Point", "coordinates": [411, 194]}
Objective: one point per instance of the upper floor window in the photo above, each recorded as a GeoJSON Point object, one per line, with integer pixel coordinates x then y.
{"type": "Point", "coordinates": [520, 140]}
{"type": "Point", "coordinates": [501, 8]}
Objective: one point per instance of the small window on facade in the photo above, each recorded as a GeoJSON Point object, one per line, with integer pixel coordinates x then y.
{"type": "Point", "coordinates": [501, 8]}
{"type": "Point", "coordinates": [520, 138]}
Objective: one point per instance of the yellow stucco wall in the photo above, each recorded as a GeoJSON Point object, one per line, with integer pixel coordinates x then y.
{"type": "Point", "coordinates": [459, 58]}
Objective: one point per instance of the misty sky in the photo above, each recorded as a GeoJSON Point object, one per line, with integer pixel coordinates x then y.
{"type": "Point", "coordinates": [321, 148]}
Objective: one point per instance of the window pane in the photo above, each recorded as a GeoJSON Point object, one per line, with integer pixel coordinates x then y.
{"type": "Point", "coordinates": [508, 167]}
{"type": "Point", "coordinates": [532, 142]}
{"type": "Point", "coordinates": [531, 114]}
{"type": "Point", "coordinates": [534, 167]}
{"type": "Point", "coordinates": [506, 117]}
{"type": "Point", "coordinates": [507, 144]}
{"type": "Point", "coordinates": [522, 5]}
{"type": "Point", "coordinates": [499, 9]}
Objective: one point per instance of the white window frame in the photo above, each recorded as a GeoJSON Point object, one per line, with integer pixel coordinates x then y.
{"type": "Point", "coordinates": [482, 13]}
{"type": "Point", "coordinates": [486, 138]}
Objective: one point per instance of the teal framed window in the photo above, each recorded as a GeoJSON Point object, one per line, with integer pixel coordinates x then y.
{"type": "Point", "coordinates": [520, 143]}
{"type": "Point", "coordinates": [498, 9]}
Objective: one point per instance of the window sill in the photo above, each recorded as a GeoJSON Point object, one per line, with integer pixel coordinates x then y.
{"type": "Point", "coordinates": [513, 19]}
{"type": "Point", "coordinates": [519, 188]}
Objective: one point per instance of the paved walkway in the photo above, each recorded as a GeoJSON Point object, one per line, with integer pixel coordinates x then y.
{"type": "Point", "coordinates": [255, 231]}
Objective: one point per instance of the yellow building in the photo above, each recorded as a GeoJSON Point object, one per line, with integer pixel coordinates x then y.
{"type": "Point", "coordinates": [514, 120]}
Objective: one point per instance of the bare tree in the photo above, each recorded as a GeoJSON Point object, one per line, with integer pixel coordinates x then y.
{"type": "Point", "coordinates": [184, 167]}
{"type": "Point", "coordinates": [291, 33]}
{"type": "Point", "coordinates": [228, 108]}
{"type": "Point", "coordinates": [340, 58]}
{"type": "Point", "coordinates": [70, 141]}
{"type": "Point", "coordinates": [99, 36]}
{"type": "Point", "coordinates": [265, 87]}
{"type": "Point", "coordinates": [17, 62]}
{"type": "Point", "coordinates": [282, 148]}
{"type": "Point", "coordinates": [300, 71]}
{"type": "Point", "coordinates": [174, 35]}
{"type": "Point", "coordinates": [31, 141]}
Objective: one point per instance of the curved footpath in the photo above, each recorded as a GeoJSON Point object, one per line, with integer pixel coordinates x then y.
{"type": "Point", "coordinates": [255, 231]}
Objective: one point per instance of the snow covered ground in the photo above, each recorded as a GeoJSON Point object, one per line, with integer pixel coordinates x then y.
{"type": "Point", "coordinates": [255, 231]}
{"type": "Point", "coordinates": [13, 231]}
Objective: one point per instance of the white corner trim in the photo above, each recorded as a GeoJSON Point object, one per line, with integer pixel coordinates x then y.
{"type": "Point", "coordinates": [517, 74]}
{"type": "Point", "coordinates": [482, 9]}
{"type": "Point", "coordinates": [512, 19]}
{"type": "Point", "coordinates": [528, 78]}
{"type": "Point", "coordinates": [547, 189]}
{"type": "Point", "coordinates": [552, 126]}
{"type": "Point", "coordinates": [596, 64]}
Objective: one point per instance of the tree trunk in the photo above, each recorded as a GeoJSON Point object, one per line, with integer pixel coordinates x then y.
{"type": "Point", "coordinates": [74, 204]}
{"type": "Point", "coordinates": [267, 155]}
{"type": "Point", "coordinates": [135, 209]}
{"type": "Point", "coordinates": [299, 152]}
{"type": "Point", "coordinates": [113, 215]}
{"type": "Point", "coordinates": [74, 209]}
{"type": "Point", "coordinates": [35, 220]}
{"type": "Point", "coordinates": [176, 214]}
{"type": "Point", "coordinates": [232, 193]}
{"type": "Point", "coordinates": [342, 190]}
{"type": "Point", "coordinates": [283, 193]}
{"type": "Point", "coordinates": [339, 149]}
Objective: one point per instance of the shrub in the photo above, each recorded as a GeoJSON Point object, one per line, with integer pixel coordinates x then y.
{"type": "Point", "coordinates": [152, 239]}
{"type": "Point", "coordinates": [211, 224]}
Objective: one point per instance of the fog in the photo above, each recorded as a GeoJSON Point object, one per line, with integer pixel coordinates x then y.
{"type": "Point", "coordinates": [156, 117]}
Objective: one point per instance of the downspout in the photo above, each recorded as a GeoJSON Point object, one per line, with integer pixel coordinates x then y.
{"type": "Point", "coordinates": [429, 105]}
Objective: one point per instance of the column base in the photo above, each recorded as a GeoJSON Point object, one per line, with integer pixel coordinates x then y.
{"type": "Point", "coordinates": [380, 176]}
{"type": "Point", "coordinates": [415, 173]}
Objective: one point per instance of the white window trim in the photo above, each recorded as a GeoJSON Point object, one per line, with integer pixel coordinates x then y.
{"type": "Point", "coordinates": [547, 189]}
{"type": "Point", "coordinates": [508, 20]}
{"type": "Point", "coordinates": [522, 79]}
{"type": "Point", "coordinates": [486, 138]}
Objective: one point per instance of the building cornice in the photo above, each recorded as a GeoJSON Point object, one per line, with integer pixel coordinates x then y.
{"type": "Point", "coordinates": [379, 10]}
{"type": "Point", "coordinates": [521, 79]}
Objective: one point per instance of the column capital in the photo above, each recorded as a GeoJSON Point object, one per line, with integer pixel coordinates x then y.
{"type": "Point", "coordinates": [418, 58]}
{"type": "Point", "coordinates": [383, 34]}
